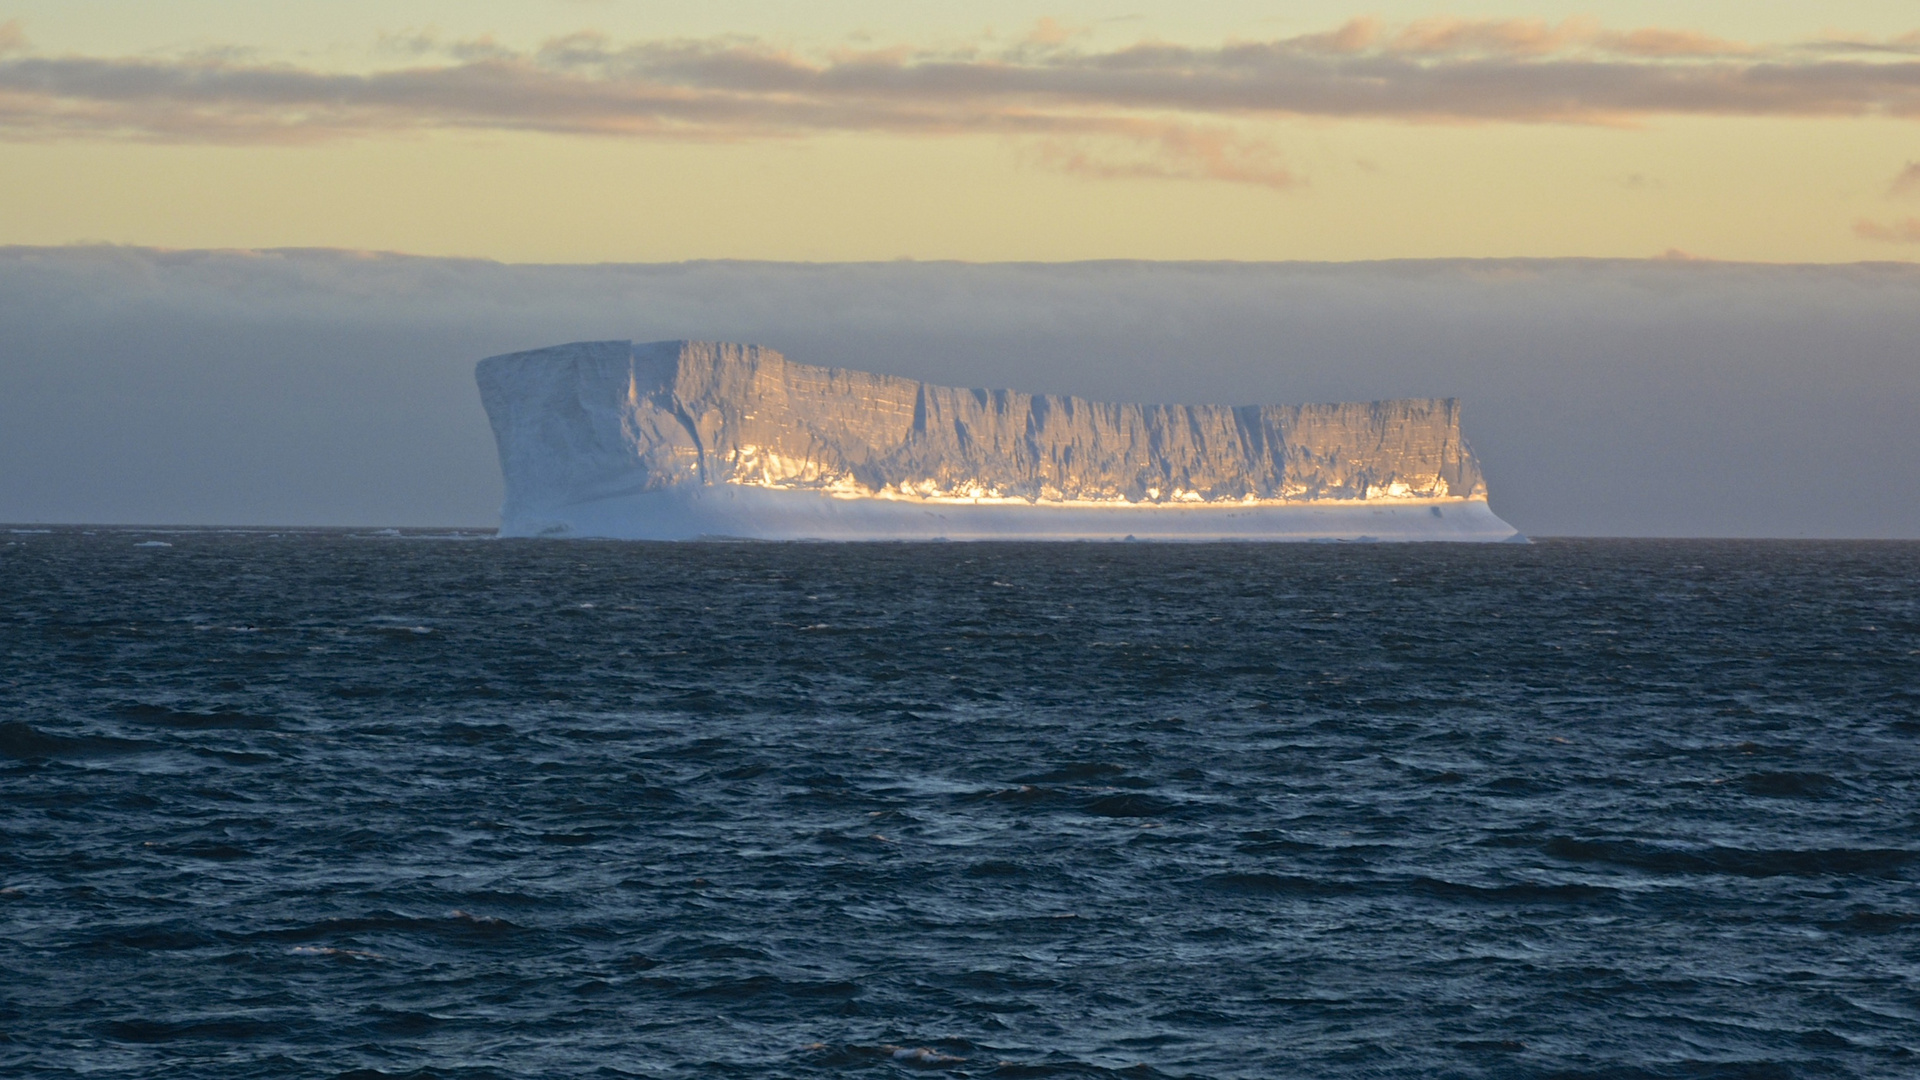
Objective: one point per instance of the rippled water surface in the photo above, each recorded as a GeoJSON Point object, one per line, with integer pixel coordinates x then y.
{"type": "Point", "coordinates": [319, 804]}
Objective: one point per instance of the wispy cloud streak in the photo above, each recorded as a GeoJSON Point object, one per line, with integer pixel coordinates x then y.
{"type": "Point", "coordinates": [1907, 182]}
{"type": "Point", "coordinates": [1182, 110]}
{"type": "Point", "coordinates": [1904, 231]}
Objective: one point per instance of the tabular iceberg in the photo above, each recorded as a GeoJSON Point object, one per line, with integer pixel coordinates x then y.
{"type": "Point", "coordinates": [679, 440]}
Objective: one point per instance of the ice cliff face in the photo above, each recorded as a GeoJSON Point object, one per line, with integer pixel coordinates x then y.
{"type": "Point", "coordinates": [604, 420]}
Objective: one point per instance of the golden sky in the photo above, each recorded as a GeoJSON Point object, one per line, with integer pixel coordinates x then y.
{"type": "Point", "coordinates": [625, 130]}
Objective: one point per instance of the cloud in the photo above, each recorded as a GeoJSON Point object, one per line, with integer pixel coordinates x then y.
{"type": "Point", "coordinates": [1904, 231]}
{"type": "Point", "coordinates": [12, 38]}
{"type": "Point", "coordinates": [1446, 36]}
{"type": "Point", "coordinates": [1907, 183]}
{"type": "Point", "coordinates": [1170, 152]}
{"type": "Point", "coordinates": [1907, 44]}
{"type": "Point", "coordinates": [1158, 109]}
{"type": "Point", "coordinates": [1050, 31]}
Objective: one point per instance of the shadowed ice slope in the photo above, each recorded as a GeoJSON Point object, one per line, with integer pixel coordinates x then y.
{"type": "Point", "coordinates": [586, 429]}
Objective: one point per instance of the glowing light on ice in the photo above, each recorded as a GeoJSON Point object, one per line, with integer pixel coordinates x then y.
{"type": "Point", "coordinates": [684, 439]}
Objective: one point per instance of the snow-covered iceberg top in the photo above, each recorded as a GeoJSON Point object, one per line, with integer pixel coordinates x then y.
{"type": "Point", "coordinates": [582, 424]}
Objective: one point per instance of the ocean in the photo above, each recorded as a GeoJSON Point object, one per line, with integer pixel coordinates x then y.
{"type": "Point", "coordinates": [332, 803]}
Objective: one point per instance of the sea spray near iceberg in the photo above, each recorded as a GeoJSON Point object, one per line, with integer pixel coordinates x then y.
{"type": "Point", "coordinates": [680, 440]}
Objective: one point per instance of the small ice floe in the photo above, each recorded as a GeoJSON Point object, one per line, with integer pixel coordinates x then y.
{"type": "Point", "coordinates": [326, 950]}
{"type": "Point", "coordinates": [477, 920]}
{"type": "Point", "coordinates": [920, 1055]}
{"type": "Point", "coordinates": [153, 543]}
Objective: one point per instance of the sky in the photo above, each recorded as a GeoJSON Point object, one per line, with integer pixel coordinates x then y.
{"type": "Point", "coordinates": [634, 131]}
{"type": "Point", "coordinates": [1665, 254]}
{"type": "Point", "coordinates": [1610, 398]}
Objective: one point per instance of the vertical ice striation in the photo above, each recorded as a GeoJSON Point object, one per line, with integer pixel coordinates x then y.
{"type": "Point", "coordinates": [584, 427]}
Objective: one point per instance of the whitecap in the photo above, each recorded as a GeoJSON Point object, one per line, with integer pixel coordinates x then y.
{"type": "Point", "coordinates": [921, 1055]}
{"type": "Point", "coordinates": [325, 950]}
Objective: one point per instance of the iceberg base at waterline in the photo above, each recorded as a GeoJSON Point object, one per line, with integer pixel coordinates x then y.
{"type": "Point", "coordinates": [751, 513]}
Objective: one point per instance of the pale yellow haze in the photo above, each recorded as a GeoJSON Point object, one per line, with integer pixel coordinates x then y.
{"type": "Point", "coordinates": [622, 130]}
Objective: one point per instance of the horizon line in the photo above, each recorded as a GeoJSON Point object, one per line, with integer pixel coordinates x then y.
{"type": "Point", "coordinates": [48, 527]}
{"type": "Point", "coordinates": [1673, 257]}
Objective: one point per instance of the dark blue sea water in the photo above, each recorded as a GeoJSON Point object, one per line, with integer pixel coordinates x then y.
{"type": "Point", "coordinates": [330, 804]}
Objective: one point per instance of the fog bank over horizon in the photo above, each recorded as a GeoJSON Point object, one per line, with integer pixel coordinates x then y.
{"type": "Point", "coordinates": [1604, 398]}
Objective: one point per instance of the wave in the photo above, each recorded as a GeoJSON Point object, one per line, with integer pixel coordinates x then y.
{"type": "Point", "coordinates": [24, 742]}
{"type": "Point", "coordinates": [1737, 862]}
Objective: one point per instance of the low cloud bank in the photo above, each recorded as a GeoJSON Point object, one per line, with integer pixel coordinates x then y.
{"type": "Point", "coordinates": [1605, 397]}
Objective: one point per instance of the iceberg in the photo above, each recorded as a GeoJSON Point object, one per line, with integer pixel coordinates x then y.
{"type": "Point", "coordinates": [682, 440]}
